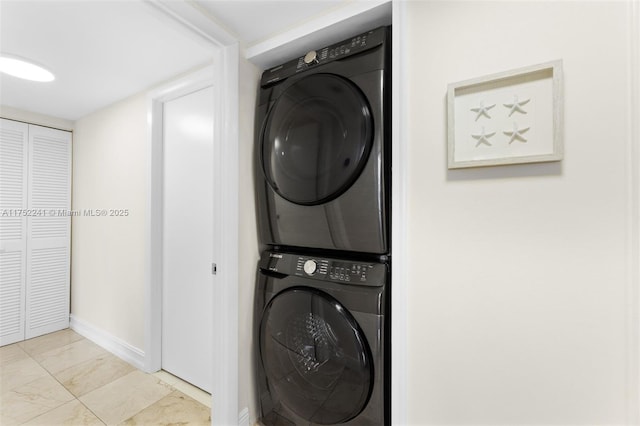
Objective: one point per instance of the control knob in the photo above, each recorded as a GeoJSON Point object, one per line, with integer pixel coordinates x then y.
{"type": "Point", "coordinates": [310, 266]}
{"type": "Point", "coordinates": [311, 58]}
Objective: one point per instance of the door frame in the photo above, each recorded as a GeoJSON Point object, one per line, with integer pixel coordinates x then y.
{"type": "Point", "coordinates": [399, 219]}
{"type": "Point", "coordinates": [223, 73]}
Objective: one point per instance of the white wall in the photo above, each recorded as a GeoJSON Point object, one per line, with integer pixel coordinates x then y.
{"type": "Point", "coordinates": [110, 164]}
{"type": "Point", "coordinates": [35, 118]}
{"type": "Point", "coordinates": [108, 253]}
{"type": "Point", "coordinates": [518, 279]}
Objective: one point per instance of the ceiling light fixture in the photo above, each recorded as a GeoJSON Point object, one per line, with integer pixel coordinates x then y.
{"type": "Point", "coordinates": [22, 68]}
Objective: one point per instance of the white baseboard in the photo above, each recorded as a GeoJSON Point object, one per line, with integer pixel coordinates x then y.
{"type": "Point", "coordinates": [116, 346]}
{"type": "Point", "coordinates": [243, 417]}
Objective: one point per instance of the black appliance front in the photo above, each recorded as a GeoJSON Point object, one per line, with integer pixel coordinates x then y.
{"type": "Point", "coordinates": [322, 157]}
{"type": "Point", "coordinates": [320, 331]}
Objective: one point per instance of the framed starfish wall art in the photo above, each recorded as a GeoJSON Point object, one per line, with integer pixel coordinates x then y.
{"type": "Point", "coordinates": [511, 117]}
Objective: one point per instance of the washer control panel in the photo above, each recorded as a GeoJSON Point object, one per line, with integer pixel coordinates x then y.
{"type": "Point", "coordinates": [312, 58]}
{"type": "Point", "coordinates": [336, 51]}
{"type": "Point", "coordinates": [333, 270]}
{"type": "Point", "coordinates": [346, 271]}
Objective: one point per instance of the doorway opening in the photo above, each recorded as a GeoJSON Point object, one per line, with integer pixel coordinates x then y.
{"type": "Point", "coordinates": [224, 362]}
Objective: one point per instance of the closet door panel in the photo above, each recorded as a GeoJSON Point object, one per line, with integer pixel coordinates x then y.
{"type": "Point", "coordinates": [13, 229]}
{"type": "Point", "coordinates": [48, 250]}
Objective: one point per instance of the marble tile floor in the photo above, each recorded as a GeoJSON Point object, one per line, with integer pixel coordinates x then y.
{"type": "Point", "coordinates": [64, 379]}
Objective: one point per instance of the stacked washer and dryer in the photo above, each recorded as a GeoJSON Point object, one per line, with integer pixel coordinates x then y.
{"type": "Point", "coordinates": [323, 196]}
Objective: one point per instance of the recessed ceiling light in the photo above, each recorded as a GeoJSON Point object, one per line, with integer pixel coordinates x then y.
{"type": "Point", "coordinates": [22, 68]}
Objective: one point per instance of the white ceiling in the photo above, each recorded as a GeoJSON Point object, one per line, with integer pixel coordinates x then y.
{"type": "Point", "coordinates": [104, 51]}
{"type": "Point", "coordinates": [253, 21]}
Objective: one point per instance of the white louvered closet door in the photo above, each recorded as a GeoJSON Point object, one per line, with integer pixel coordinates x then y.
{"type": "Point", "coordinates": [35, 197]}
{"type": "Point", "coordinates": [13, 229]}
{"type": "Point", "coordinates": [49, 231]}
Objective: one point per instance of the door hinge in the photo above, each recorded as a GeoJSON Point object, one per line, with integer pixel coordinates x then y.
{"type": "Point", "coordinates": [214, 269]}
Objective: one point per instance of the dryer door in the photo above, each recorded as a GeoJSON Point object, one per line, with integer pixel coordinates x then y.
{"type": "Point", "coordinates": [316, 139]}
{"type": "Point", "coordinates": [315, 356]}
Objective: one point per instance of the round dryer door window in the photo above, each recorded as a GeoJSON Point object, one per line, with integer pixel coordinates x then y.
{"type": "Point", "coordinates": [316, 139]}
{"type": "Point", "coordinates": [315, 356]}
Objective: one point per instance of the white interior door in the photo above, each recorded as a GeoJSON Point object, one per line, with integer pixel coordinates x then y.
{"type": "Point", "coordinates": [13, 229]}
{"type": "Point", "coordinates": [187, 292]}
{"type": "Point", "coordinates": [49, 231]}
{"type": "Point", "coordinates": [35, 195]}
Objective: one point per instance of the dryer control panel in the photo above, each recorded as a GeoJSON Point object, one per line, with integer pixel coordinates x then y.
{"type": "Point", "coordinates": [347, 47]}
{"type": "Point", "coordinates": [326, 269]}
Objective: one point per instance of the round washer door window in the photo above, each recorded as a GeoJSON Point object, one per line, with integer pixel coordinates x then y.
{"type": "Point", "coordinates": [315, 356]}
{"type": "Point", "coordinates": [316, 139]}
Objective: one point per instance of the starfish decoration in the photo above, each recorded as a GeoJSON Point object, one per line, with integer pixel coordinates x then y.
{"type": "Point", "coordinates": [516, 134]}
{"type": "Point", "coordinates": [517, 105]}
{"type": "Point", "coordinates": [482, 110]}
{"type": "Point", "coordinates": [483, 138]}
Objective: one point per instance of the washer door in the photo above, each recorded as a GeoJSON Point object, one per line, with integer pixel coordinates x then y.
{"type": "Point", "coordinates": [315, 356]}
{"type": "Point", "coordinates": [316, 139]}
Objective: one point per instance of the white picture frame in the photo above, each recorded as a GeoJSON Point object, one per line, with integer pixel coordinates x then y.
{"type": "Point", "coordinates": [512, 117]}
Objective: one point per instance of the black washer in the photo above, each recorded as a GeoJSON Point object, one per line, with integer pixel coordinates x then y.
{"type": "Point", "coordinates": [315, 356]}
{"type": "Point", "coordinates": [321, 338]}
